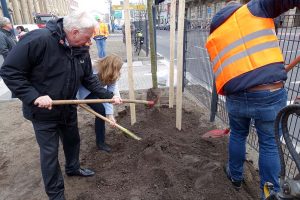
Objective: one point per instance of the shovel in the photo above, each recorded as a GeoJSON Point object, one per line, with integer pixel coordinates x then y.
{"type": "Point", "coordinates": [216, 133]}
{"type": "Point", "coordinates": [88, 101]}
{"type": "Point", "coordinates": [126, 131]}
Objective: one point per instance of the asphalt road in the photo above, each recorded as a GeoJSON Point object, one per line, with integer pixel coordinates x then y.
{"type": "Point", "coordinates": [163, 43]}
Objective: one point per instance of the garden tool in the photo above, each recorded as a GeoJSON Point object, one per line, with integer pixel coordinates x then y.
{"type": "Point", "coordinates": [216, 133]}
{"type": "Point", "coordinates": [88, 101]}
{"type": "Point", "coordinates": [126, 131]}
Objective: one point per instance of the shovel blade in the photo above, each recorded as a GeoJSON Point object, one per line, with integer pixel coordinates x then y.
{"type": "Point", "coordinates": [217, 133]}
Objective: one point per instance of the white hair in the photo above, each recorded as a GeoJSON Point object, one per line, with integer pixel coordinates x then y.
{"type": "Point", "coordinates": [80, 20]}
{"type": "Point", "coordinates": [4, 21]}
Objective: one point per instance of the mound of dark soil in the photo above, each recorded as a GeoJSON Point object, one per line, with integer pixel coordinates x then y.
{"type": "Point", "coordinates": [166, 164]}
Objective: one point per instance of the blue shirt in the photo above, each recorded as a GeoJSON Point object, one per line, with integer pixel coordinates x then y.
{"type": "Point", "coordinates": [109, 109]}
{"type": "Point", "coordinates": [266, 74]}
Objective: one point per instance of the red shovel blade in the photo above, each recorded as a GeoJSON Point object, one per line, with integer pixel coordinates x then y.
{"type": "Point", "coordinates": [217, 133]}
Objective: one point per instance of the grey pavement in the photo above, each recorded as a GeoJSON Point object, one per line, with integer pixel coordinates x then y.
{"type": "Point", "coordinates": [141, 65]}
{"type": "Point", "coordinates": [5, 93]}
{"type": "Point", "coordinates": [141, 68]}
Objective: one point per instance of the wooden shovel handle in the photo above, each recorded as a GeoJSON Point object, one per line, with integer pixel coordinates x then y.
{"type": "Point", "coordinates": [129, 133]}
{"type": "Point", "coordinates": [87, 101]}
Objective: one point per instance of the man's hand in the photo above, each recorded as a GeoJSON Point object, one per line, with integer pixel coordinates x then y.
{"type": "Point", "coordinates": [117, 100]}
{"type": "Point", "coordinates": [292, 64]}
{"type": "Point", "coordinates": [112, 119]}
{"type": "Point", "coordinates": [44, 102]}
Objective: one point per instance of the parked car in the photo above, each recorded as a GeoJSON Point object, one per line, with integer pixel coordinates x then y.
{"type": "Point", "coordinates": [118, 27]}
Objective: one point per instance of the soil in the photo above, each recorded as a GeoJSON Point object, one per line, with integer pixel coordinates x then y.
{"type": "Point", "coordinates": [167, 164]}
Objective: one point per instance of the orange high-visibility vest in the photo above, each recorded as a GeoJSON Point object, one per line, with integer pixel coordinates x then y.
{"type": "Point", "coordinates": [101, 30]}
{"type": "Point", "coordinates": [241, 44]}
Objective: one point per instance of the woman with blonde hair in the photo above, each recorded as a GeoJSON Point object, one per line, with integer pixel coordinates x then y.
{"type": "Point", "coordinates": [108, 71]}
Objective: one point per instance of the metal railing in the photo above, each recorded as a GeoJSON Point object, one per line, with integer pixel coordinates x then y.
{"type": "Point", "coordinates": [198, 75]}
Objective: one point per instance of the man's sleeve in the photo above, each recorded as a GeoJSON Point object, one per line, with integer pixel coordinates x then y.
{"type": "Point", "coordinates": [3, 47]}
{"type": "Point", "coordinates": [272, 8]}
{"type": "Point", "coordinates": [91, 82]}
{"type": "Point", "coordinates": [17, 69]}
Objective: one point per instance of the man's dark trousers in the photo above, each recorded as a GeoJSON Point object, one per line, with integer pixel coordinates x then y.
{"type": "Point", "coordinates": [47, 135]}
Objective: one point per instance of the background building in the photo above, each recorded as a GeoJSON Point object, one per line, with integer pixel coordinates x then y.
{"type": "Point", "coordinates": [23, 11]}
{"type": "Point", "coordinates": [206, 9]}
{"type": "Point", "coordinates": [73, 5]}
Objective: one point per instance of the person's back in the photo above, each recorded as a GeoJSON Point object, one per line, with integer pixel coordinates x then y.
{"type": "Point", "coordinates": [103, 29]}
{"type": "Point", "coordinates": [108, 72]}
{"type": "Point", "coordinates": [249, 70]}
{"type": "Point", "coordinates": [264, 74]}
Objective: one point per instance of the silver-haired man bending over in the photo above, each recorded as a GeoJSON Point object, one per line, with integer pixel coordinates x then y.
{"type": "Point", "coordinates": [48, 64]}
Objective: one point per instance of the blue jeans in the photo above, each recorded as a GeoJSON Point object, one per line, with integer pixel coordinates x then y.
{"type": "Point", "coordinates": [262, 107]}
{"type": "Point", "coordinates": [99, 123]}
{"type": "Point", "coordinates": [101, 43]}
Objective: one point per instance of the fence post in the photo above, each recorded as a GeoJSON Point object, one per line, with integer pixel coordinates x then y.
{"type": "Point", "coordinates": [172, 52]}
{"type": "Point", "coordinates": [129, 60]}
{"type": "Point", "coordinates": [147, 37]}
{"type": "Point", "coordinates": [214, 102]}
{"type": "Point", "coordinates": [181, 10]}
{"type": "Point", "coordinates": [184, 54]}
{"type": "Point", "coordinates": [154, 29]}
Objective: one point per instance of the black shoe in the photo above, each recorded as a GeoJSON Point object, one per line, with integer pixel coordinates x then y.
{"type": "Point", "coordinates": [104, 147]}
{"type": "Point", "coordinates": [82, 172]}
{"type": "Point", "coordinates": [236, 184]}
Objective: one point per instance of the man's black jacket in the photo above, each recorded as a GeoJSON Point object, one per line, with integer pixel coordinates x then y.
{"type": "Point", "coordinates": [42, 64]}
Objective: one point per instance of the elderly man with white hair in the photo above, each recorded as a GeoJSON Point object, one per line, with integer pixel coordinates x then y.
{"type": "Point", "coordinates": [7, 39]}
{"type": "Point", "coordinates": [49, 64]}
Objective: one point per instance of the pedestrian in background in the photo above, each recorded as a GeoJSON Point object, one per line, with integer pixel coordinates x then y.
{"type": "Point", "coordinates": [132, 32]}
{"type": "Point", "coordinates": [21, 32]}
{"type": "Point", "coordinates": [108, 72]}
{"type": "Point", "coordinates": [249, 70]}
{"type": "Point", "coordinates": [100, 36]}
{"type": "Point", "coordinates": [51, 63]}
{"type": "Point", "coordinates": [7, 38]}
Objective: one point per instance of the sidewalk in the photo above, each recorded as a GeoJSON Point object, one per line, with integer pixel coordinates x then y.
{"type": "Point", "coordinates": [5, 93]}
{"type": "Point", "coordinates": [141, 65]}
{"type": "Point", "coordinates": [141, 68]}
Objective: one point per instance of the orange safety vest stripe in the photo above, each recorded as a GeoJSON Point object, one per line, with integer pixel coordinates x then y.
{"type": "Point", "coordinates": [242, 48]}
{"type": "Point", "coordinates": [227, 72]}
{"type": "Point", "coordinates": [241, 44]}
{"type": "Point", "coordinates": [102, 30]}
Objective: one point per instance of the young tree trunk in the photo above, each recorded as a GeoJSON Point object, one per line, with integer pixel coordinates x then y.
{"type": "Point", "coordinates": [152, 45]}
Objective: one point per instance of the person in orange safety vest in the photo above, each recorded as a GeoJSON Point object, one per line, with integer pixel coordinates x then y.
{"type": "Point", "coordinates": [100, 36]}
{"type": "Point", "coordinates": [249, 70]}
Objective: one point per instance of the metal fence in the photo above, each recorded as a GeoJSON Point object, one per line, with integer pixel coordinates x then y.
{"type": "Point", "coordinates": [198, 75]}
